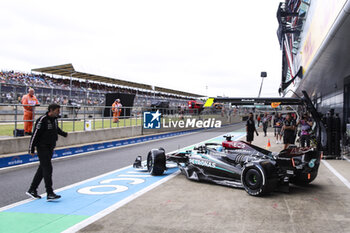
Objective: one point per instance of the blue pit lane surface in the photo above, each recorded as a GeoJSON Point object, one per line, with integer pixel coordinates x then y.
{"type": "Point", "coordinates": [94, 196]}
{"type": "Point", "coordinates": [86, 201]}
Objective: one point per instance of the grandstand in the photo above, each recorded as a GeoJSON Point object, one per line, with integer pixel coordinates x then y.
{"type": "Point", "coordinates": [63, 83]}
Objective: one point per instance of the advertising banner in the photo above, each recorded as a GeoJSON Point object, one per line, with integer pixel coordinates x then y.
{"type": "Point", "coordinates": [323, 18]}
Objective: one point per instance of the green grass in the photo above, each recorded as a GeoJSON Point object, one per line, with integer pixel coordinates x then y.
{"type": "Point", "coordinates": [70, 126]}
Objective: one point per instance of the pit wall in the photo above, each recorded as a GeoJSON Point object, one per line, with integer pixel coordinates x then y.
{"type": "Point", "coordinates": [18, 145]}
{"type": "Point", "coordinates": [20, 159]}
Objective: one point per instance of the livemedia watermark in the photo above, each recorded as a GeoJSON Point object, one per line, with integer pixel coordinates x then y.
{"type": "Point", "coordinates": [154, 120]}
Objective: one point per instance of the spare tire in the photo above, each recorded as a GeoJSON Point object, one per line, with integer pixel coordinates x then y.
{"type": "Point", "coordinates": [156, 162]}
{"type": "Point", "coordinates": [257, 181]}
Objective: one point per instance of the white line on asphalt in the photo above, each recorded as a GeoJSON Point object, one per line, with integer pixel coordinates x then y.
{"type": "Point", "coordinates": [16, 204]}
{"type": "Point", "coordinates": [337, 174]}
{"type": "Point", "coordinates": [345, 157]}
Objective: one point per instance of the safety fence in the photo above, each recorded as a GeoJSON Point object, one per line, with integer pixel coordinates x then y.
{"type": "Point", "coordinates": [86, 118]}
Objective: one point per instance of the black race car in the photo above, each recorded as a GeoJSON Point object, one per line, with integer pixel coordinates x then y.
{"type": "Point", "coordinates": [239, 164]}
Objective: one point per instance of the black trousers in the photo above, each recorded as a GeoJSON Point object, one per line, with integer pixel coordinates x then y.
{"type": "Point", "coordinates": [45, 168]}
{"type": "Point", "coordinates": [303, 139]}
{"type": "Point", "coordinates": [250, 136]}
{"type": "Point", "coordinates": [265, 124]}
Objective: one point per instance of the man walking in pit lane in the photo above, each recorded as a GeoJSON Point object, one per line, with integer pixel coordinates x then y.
{"type": "Point", "coordinates": [250, 128]}
{"type": "Point", "coordinates": [44, 138]}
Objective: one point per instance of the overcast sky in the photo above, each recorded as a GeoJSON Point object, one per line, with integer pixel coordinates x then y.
{"type": "Point", "coordinates": [185, 45]}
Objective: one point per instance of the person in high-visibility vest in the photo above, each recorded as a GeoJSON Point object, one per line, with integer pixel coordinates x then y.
{"type": "Point", "coordinates": [116, 109]}
{"type": "Point", "coordinates": [29, 102]}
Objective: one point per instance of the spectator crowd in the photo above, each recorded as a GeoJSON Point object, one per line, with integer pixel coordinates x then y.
{"type": "Point", "coordinates": [13, 85]}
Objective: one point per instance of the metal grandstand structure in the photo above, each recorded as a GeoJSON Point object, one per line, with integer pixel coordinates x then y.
{"type": "Point", "coordinates": [68, 70]}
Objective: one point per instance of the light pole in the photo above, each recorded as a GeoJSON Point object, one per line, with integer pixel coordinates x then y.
{"type": "Point", "coordinates": [262, 75]}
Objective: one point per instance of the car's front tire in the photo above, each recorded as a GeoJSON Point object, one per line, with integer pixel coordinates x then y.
{"type": "Point", "coordinates": [156, 162]}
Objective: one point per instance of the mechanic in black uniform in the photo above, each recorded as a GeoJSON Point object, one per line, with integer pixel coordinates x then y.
{"type": "Point", "coordinates": [288, 131]}
{"type": "Point", "coordinates": [250, 127]}
{"type": "Point", "coordinates": [44, 138]}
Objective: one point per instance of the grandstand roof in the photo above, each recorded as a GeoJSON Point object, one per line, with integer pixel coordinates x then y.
{"type": "Point", "coordinates": [69, 71]}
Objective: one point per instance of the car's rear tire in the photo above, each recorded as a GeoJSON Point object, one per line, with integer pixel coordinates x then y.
{"type": "Point", "coordinates": [256, 181]}
{"type": "Point", "coordinates": [156, 162]}
{"type": "Point", "coordinates": [303, 178]}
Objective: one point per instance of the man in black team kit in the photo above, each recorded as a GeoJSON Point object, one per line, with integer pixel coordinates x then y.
{"type": "Point", "coordinates": [250, 128]}
{"type": "Point", "coordinates": [288, 131]}
{"type": "Point", "coordinates": [44, 138]}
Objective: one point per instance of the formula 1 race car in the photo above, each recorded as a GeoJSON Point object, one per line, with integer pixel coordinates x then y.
{"type": "Point", "coordinates": [239, 164]}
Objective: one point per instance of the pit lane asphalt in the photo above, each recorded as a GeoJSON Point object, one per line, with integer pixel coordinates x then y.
{"type": "Point", "coordinates": [180, 205]}
{"type": "Point", "coordinates": [14, 182]}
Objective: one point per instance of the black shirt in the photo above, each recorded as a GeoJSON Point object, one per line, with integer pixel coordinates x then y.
{"type": "Point", "coordinates": [46, 132]}
{"type": "Point", "coordinates": [289, 123]}
{"type": "Point", "coordinates": [250, 125]}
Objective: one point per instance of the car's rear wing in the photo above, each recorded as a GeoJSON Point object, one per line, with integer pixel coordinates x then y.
{"type": "Point", "coordinates": [305, 100]}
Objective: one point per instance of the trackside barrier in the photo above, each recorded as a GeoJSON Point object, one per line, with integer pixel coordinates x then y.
{"type": "Point", "coordinates": [26, 158]}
